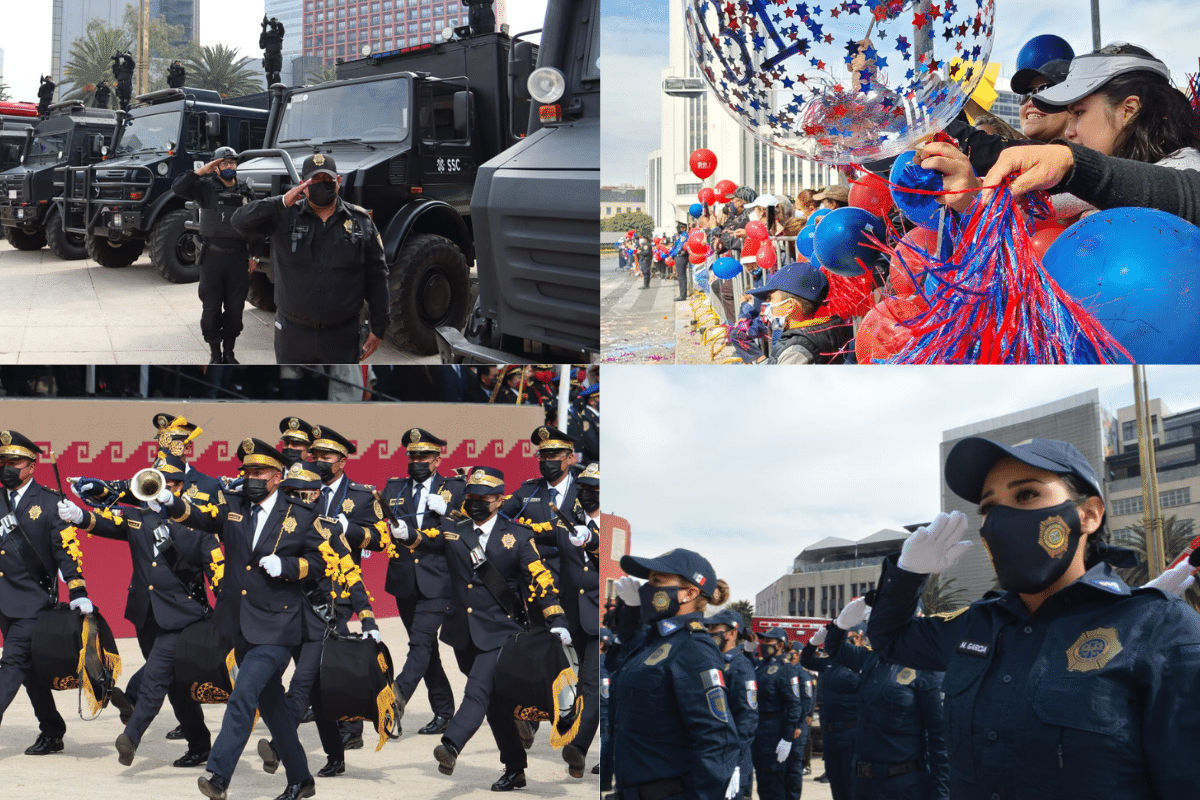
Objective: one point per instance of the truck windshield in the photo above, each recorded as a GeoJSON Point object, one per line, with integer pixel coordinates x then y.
{"type": "Point", "coordinates": [153, 132]}
{"type": "Point", "coordinates": [47, 148]}
{"type": "Point", "coordinates": [376, 111]}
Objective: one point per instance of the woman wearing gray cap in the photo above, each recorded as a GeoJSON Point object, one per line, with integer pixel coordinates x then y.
{"type": "Point", "coordinates": [673, 733]}
{"type": "Point", "coordinates": [1067, 683]}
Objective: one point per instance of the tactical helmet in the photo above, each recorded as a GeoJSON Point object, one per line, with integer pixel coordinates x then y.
{"type": "Point", "coordinates": [225, 152]}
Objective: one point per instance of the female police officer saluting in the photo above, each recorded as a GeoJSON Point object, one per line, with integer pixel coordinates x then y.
{"type": "Point", "coordinates": [1068, 683]}
{"type": "Point", "coordinates": [673, 734]}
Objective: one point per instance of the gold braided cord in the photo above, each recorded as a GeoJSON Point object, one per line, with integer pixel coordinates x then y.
{"type": "Point", "coordinates": [560, 740]}
{"type": "Point", "coordinates": [542, 582]}
{"type": "Point", "coordinates": [217, 564]}
{"type": "Point", "coordinates": [70, 543]}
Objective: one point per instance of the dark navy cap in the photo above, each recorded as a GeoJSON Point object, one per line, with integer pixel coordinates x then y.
{"type": "Point", "coordinates": [318, 163]}
{"type": "Point", "coordinates": [800, 279]}
{"type": "Point", "coordinates": [294, 429]}
{"type": "Point", "coordinates": [692, 566]}
{"type": "Point", "coordinates": [606, 636]}
{"type": "Point", "coordinates": [775, 633]}
{"type": "Point", "coordinates": [1055, 72]}
{"type": "Point", "coordinates": [485, 481]}
{"type": "Point", "coordinates": [972, 459]}
{"type": "Point", "coordinates": [16, 444]}
{"type": "Point", "coordinates": [728, 617]}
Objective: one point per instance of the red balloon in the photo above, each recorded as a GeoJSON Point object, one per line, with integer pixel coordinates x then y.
{"type": "Point", "coordinates": [707, 196]}
{"type": "Point", "coordinates": [756, 229]}
{"type": "Point", "coordinates": [703, 162]}
{"type": "Point", "coordinates": [725, 189]}
{"type": "Point", "coordinates": [906, 256]}
{"type": "Point", "coordinates": [880, 334]}
{"type": "Point", "coordinates": [1044, 237]}
{"type": "Point", "coordinates": [697, 258]}
{"type": "Point", "coordinates": [871, 192]}
{"type": "Point", "coordinates": [766, 256]}
{"type": "Point", "coordinates": [632, 232]}
{"type": "Point", "coordinates": [694, 246]}
{"type": "Point", "coordinates": [750, 247]}
{"type": "Point", "coordinates": [697, 235]}
{"type": "Point", "coordinates": [670, 262]}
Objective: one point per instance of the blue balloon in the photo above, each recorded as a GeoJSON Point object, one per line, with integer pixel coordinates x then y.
{"type": "Point", "coordinates": [1040, 49]}
{"type": "Point", "coordinates": [804, 240]}
{"type": "Point", "coordinates": [922, 209]}
{"type": "Point", "coordinates": [841, 240]}
{"type": "Point", "coordinates": [816, 216]}
{"type": "Point", "coordinates": [726, 267]}
{"type": "Point", "coordinates": [695, 209]}
{"type": "Point", "coordinates": [1135, 270]}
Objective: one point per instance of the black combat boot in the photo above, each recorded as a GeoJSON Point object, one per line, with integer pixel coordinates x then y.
{"type": "Point", "coordinates": [229, 359]}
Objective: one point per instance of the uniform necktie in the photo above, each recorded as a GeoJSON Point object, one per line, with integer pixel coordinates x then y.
{"type": "Point", "coordinates": [416, 493]}
{"type": "Point", "coordinates": [255, 510]}
{"type": "Point", "coordinates": [326, 496]}
{"type": "Point", "coordinates": [592, 526]}
{"type": "Point", "coordinates": [12, 502]}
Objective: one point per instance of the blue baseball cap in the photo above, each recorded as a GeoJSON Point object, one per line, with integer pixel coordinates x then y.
{"type": "Point", "coordinates": [728, 617]}
{"type": "Point", "coordinates": [801, 279]}
{"type": "Point", "coordinates": [775, 633]}
{"type": "Point", "coordinates": [692, 566]}
{"type": "Point", "coordinates": [972, 459]}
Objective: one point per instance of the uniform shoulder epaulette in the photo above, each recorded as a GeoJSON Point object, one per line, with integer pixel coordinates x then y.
{"type": "Point", "coordinates": [296, 501]}
{"type": "Point", "coordinates": [455, 479]}
{"type": "Point", "coordinates": [362, 487]}
{"type": "Point", "coordinates": [390, 481]}
{"type": "Point", "coordinates": [530, 482]}
{"type": "Point", "coordinates": [696, 626]}
{"type": "Point", "coordinates": [522, 528]}
{"type": "Point", "coordinates": [949, 615]}
{"type": "Point", "coordinates": [356, 209]}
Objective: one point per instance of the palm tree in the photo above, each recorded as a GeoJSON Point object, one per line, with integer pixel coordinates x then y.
{"type": "Point", "coordinates": [219, 68]}
{"type": "Point", "coordinates": [745, 608]}
{"type": "Point", "coordinates": [1177, 535]}
{"type": "Point", "coordinates": [326, 74]}
{"type": "Point", "coordinates": [4, 92]}
{"type": "Point", "coordinates": [940, 597]}
{"type": "Point", "coordinates": [90, 61]}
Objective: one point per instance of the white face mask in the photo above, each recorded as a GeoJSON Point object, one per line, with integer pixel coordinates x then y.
{"type": "Point", "coordinates": [777, 320]}
{"type": "Point", "coordinates": [754, 214]}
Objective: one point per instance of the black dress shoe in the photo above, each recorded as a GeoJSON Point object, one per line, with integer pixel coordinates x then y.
{"type": "Point", "coordinates": [295, 791]}
{"type": "Point", "coordinates": [510, 780]}
{"type": "Point", "coordinates": [525, 733]}
{"type": "Point", "coordinates": [121, 700]}
{"type": "Point", "coordinates": [266, 751]}
{"type": "Point", "coordinates": [596, 770]}
{"type": "Point", "coordinates": [309, 716]}
{"type": "Point", "coordinates": [334, 766]}
{"type": "Point", "coordinates": [575, 759]}
{"type": "Point", "coordinates": [192, 758]}
{"type": "Point", "coordinates": [175, 733]}
{"type": "Point", "coordinates": [125, 750]}
{"type": "Point", "coordinates": [45, 745]}
{"type": "Point", "coordinates": [352, 741]}
{"type": "Point", "coordinates": [446, 755]}
{"type": "Point", "coordinates": [436, 725]}
{"type": "Point", "coordinates": [213, 786]}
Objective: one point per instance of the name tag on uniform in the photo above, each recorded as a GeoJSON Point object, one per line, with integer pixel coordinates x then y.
{"type": "Point", "coordinates": [977, 649]}
{"type": "Point", "coordinates": [451, 537]}
{"type": "Point", "coordinates": [234, 517]}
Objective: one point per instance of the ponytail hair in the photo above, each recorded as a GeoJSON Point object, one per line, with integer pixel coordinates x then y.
{"type": "Point", "coordinates": [720, 596]}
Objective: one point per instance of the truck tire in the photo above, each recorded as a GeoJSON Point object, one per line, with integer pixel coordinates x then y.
{"type": "Point", "coordinates": [429, 285]}
{"type": "Point", "coordinates": [113, 255]}
{"type": "Point", "coordinates": [67, 246]}
{"type": "Point", "coordinates": [261, 294]}
{"type": "Point", "coordinates": [173, 248]}
{"type": "Point", "coordinates": [25, 241]}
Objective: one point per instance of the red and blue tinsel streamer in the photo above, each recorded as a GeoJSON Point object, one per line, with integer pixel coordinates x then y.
{"type": "Point", "coordinates": [990, 301]}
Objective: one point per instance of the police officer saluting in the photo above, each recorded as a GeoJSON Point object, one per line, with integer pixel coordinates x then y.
{"type": "Point", "coordinates": [224, 254]}
{"type": "Point", "coordinates": [328, 259]}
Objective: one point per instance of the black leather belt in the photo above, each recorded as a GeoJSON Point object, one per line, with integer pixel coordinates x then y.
{"type": "Point", "coordinates": [216, 248]}
{"type": "Point", "coordinates": [768, 715]}
{"type": "Point", "coordinates": [834, 727]}
{"type": "Point", "coordinates": [319, 326]}
{"type": "Point", "coordinates": [656, 790]}
{"type": "Point", "coordinates": [871, 771]}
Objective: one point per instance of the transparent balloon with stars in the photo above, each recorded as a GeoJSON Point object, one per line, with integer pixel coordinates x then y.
{"type": "Point", "coordinates": [841, 82]}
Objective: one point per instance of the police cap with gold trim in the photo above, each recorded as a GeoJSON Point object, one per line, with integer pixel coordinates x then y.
{"type": "Point", "coordinates": [294, 429]}
{"type": "Point", "coordinates": [419, 440]}
{"type": "Point", "coordinates": [162, 421]}
{"type": "Point", "coordinates": [319, 163]}
{"type": "Point", "coordinates": [328, 439]}
{"type": "Point", "coordinates": [297, 477]}
{"type": "Point", "coordinates": [590, 475]}
{"type": "Point", "coordinates": [485, 480]}
{"type": "Point", "coordinates": [257, 453]}
{"type": "Point", "coordinates": [16, 444]}
{"type": "Point", "coordinates": [171, 466]}
{"type": "Point", "coordinates": [547, 438]}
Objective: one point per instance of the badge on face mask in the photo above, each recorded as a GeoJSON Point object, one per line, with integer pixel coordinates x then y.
{"type": "Point", "coordinates": [1031, 548]}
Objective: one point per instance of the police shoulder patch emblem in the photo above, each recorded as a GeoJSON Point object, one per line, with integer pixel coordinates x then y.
{"type": "Point", "coordinates": [1093, 650]}
{"type": "Point", "coordinates": [906, 676]}
{"type": "Point", "coordinates": [658, 656]}
{"type": "Point", "coordinates": [752, 693]}
{"type": "Point", "coordinates": [1054, 536]}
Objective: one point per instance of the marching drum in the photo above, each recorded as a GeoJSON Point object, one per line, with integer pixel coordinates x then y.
{"type": "Point", "coordinates": [71, 651]}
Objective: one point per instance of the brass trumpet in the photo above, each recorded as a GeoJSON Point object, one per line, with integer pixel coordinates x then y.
{"type": "Point", "coordinates": [147, 483]}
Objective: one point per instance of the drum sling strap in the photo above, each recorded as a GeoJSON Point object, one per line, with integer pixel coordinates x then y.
{"type": "Point", "coordinates": [191, 579]}
{"type": "Point", "coordinates": [10, 529]}
{"type": "Point", "coordinates": [490, 576]}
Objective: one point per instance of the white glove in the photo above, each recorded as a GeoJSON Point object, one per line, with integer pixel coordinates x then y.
{"type": "Point", "coordinates": [563, 634]}
{"type": "Point", "coordinates": [853, 614]}
{"type": "Point", "coordinates": [83, 606]}
{"type": "Point", "coordinates": [80, 488]}
{"type": "Point", "coordinates": [163, 497]}
{"type": "Point", "coordinates": [782, 749]}
{"type": "Point", "coordinates": [435, 503]}
{"type": "Point", "coordinates": [818, 638]}
{"type": "Point", "coordinates": [401, 532]}
{"type": "Point", "coordinates": [627, 590]}
{"type": "Point", "coordinates": [1175, 580]}
{"type": "Point", "coordinates": [750, 647]}
{"type": "Point", "coordinates": [69, 512]}
{"type": "Point", "coordinates": [271, 565]}
{"type": "Point", "coordinates": [937, 547]}
{"type": "Point", "coordinates": [581, 535]}
{"type": "Point", "coordinates": [373, 635]}
{"type": "Point", "coordinates": [345, 523]}
{"type": "Point", "coordinates": [735, 784]}
{"type": "Point", "coordinates": [155, 507]}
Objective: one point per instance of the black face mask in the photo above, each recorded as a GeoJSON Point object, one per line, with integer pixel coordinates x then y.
{"type": "Point", "coordinates": [1031, 549]}
{"type": "Point", "coordinates": [292, 453]}
{"type": "Point", "coordinates": [323, 469]}
{"type": "Point", "coordinates": [419, 471]}
{"type": "Point", "coordinates": [256, 489]}
{"type": "Point", "coordinates": [551, 470]}
{"type": "Point", "coordinates": [769, 650]}
{"type": "Point", "coordinates": [719, 641]}
{"type": "Point", "coordinates": [658, 602]}
{"type": "Point", "coordinates": [477, 509]}
{"type": "Point", "coordinates": [10, 476]}
{"type": "Point", "coordinates": [589, 499]}
{"type": "Point", "coordinates": [322, 194]}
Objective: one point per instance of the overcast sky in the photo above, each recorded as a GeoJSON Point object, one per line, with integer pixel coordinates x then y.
{"type": "Point", "coordinates": [750, 466]}
{"type": "Point", "coordinates": [26, 44]}
{"type": "Point", "coordinates": [635, 52]}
